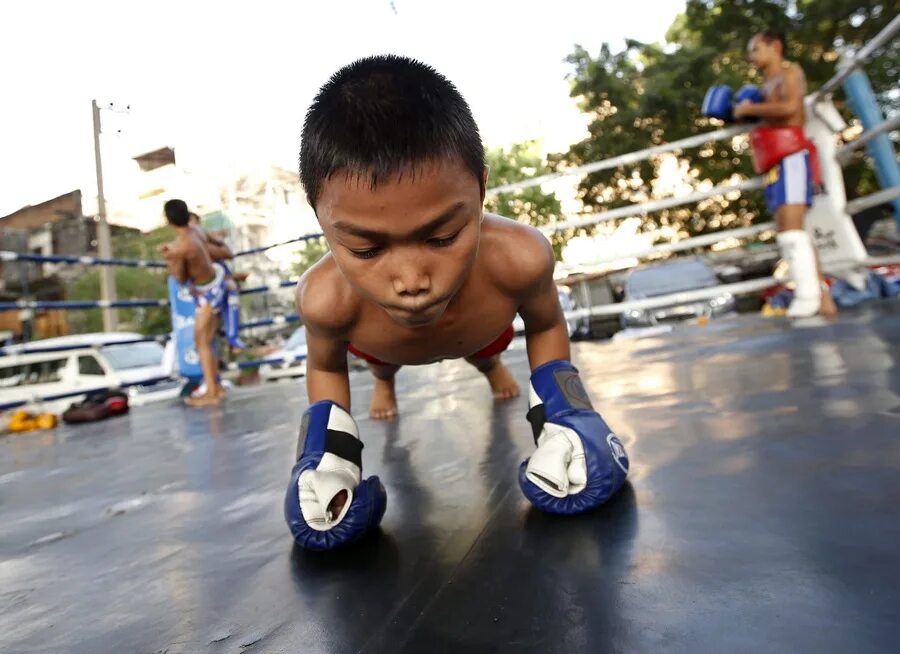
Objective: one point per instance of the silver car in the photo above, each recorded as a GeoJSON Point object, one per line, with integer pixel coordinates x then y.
{"type": "Point", "coordinates": [668, 278]}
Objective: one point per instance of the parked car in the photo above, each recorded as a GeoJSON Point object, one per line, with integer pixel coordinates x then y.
{"type": "Point", "coordinates": [97, 361]}
{"type": "Point", "coordinates": [293, 355]}
{"type": "Point", "coordinates": [672, 278]}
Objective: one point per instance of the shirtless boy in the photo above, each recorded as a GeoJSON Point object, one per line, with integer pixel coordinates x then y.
{"type": "Point", "coordinates": [189, 261]}
{"type": "Point", "coordinates": [392, 163]}
{"type": "Point", "coordinates": [220, 252]}
{"type": "Point", "coordinates": [782, 152]}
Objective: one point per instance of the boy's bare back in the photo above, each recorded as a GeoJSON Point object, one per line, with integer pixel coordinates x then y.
{"type": "Point", "coordinates": [191, 248]}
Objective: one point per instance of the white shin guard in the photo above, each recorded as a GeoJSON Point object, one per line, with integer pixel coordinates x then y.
{"type": "Point", "coordinates": [797, 249]}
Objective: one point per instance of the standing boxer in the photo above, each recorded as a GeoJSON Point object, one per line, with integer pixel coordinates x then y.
{"type": "Point", "coordinates": [189, 262]}
{"type": "Point", "coordinates": [782, 152]}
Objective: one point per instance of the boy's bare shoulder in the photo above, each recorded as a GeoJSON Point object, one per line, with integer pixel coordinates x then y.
{"type": "Point", "coordinates": [518, 256]}
{"type": "Point", "coordinates": [325, 301]}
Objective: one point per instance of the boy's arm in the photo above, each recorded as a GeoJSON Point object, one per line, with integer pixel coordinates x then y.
{"type": "Point", "coordinates": [328, 504]}
{"type": "Point", "coordinates": [790, 103]}
{"type": "Point", "coordinates": [327, 376]}
{"type": "Point", "coordinates": [546, 334]}
{"type": "Point", "coordinates": [578, 462]}
{"type": "Point", "coordinates": [218, 250]}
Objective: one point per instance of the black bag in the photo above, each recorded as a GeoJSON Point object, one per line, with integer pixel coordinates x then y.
{"type": "Point", "coordinates": [97, 406]}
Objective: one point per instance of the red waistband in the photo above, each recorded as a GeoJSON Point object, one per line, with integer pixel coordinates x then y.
{"type": "Point", "coordinates": [496, 346]}
{"type": "Point", "coordinates": [770, 145]}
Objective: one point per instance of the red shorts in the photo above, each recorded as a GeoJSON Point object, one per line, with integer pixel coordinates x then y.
{"type": "Point", "coordinates": [496, 346]}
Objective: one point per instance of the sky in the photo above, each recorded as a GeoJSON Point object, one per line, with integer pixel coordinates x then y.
{"type": "Point", "coordinates": [227, 83]}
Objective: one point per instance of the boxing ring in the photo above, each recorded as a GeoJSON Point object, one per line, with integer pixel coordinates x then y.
{"type": "Point", "coordinates": [761, 512]}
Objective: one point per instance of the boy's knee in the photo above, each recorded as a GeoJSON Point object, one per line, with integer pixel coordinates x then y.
{"type": "Point", "coordinates": [484, 364]}
{"type": "Point", "coordinates": [384, 371]}
{"type": "Point", "coordinates": [790, 216]}
{"type": "Point", "coordinates": [204, 321]}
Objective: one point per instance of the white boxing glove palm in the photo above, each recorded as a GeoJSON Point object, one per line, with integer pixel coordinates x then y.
{"type": "Point", "coordinates": [317, 488]}
{"type": "Point", "coordinates": [558, 466]}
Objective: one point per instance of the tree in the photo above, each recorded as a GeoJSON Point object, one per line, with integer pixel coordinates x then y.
{"type": "Point", "coordinates": [530, 205]}
{"type": "Point", "coordinates": [648, 94]}
{"type": "Point", "coordinates": [313, 250]}
{"type": "Point", "coordinates": [131, 284]}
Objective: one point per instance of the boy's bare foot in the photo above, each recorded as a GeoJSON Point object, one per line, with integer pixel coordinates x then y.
{"type": "Point", "coordinates": [503, 384]}
{"type": "Point", "coordinates": [207, 399]}
{"type": "Point", "coordinates": [828, 308]}
{"type": "Point", "coordinates": [384, 400]}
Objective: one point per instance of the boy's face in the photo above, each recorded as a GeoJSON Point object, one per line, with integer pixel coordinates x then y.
{"type": "Point", "coordinates": [760, 52]}
{"type": "Point", "coordinates": [409, 244]}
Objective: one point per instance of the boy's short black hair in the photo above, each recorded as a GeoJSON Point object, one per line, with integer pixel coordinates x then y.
{"type": "Point", "coordinates": [384, 115]}
{"type": "Point", "coordinates": [177, 212]}
{"type": "Point", "coordinates": [771, 34]}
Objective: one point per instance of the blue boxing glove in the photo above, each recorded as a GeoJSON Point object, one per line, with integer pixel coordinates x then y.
{"type": "Point", "coordinates": [749, 93]}
{"type": "Point", "coordinates": [329, 462]}
{"type": "Point", "coordinates": [579, 462]}
{"type": "Point", "coordinates": [718, 103]}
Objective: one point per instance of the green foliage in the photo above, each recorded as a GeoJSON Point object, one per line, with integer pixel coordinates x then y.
{"type": "Point", "coordinates": [131, 284]}
{"type": "Point", "coordinates": [531, 205]}
{"type": "Point", "coordinates": [312, 251]}
{"type": "Point", "coordinates": [137, 245]}
{"type": "Point", "coordinates": [648, 94]}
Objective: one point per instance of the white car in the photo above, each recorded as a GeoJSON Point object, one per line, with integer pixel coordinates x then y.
{"type": "Point", "coordinates": [66, 365]}
{"type": "Point", "coordinates": [293, 359]}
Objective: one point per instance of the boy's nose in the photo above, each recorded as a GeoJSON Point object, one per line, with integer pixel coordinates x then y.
{"type": "Point", "coordinates": [410, 278]}
{"type": "Point", "coordinates": [411, 285]}
{"type": "Point", "coordinates": [411, 281]}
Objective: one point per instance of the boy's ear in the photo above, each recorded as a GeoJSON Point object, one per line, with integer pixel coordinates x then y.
{"type": "Point", "coordinates": [484, 181]}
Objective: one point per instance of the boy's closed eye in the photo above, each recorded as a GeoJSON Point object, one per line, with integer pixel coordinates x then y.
{"type": "Point", "coordinates": [444, 241]}
{"type": "Point", "coordinates": [368, 253]}
{"type": "Point", "coordinates": [438, 242]}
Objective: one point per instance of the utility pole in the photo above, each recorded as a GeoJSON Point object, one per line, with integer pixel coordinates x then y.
{"type": "Point", "coordinates": [104, 242]}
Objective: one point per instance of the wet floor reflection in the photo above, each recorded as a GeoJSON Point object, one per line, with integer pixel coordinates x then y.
{"type": "Point", "coordinates": [762, 512]}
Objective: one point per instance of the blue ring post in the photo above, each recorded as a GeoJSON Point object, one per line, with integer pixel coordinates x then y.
{"type": "Point", "coordinates": [881, 149]}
